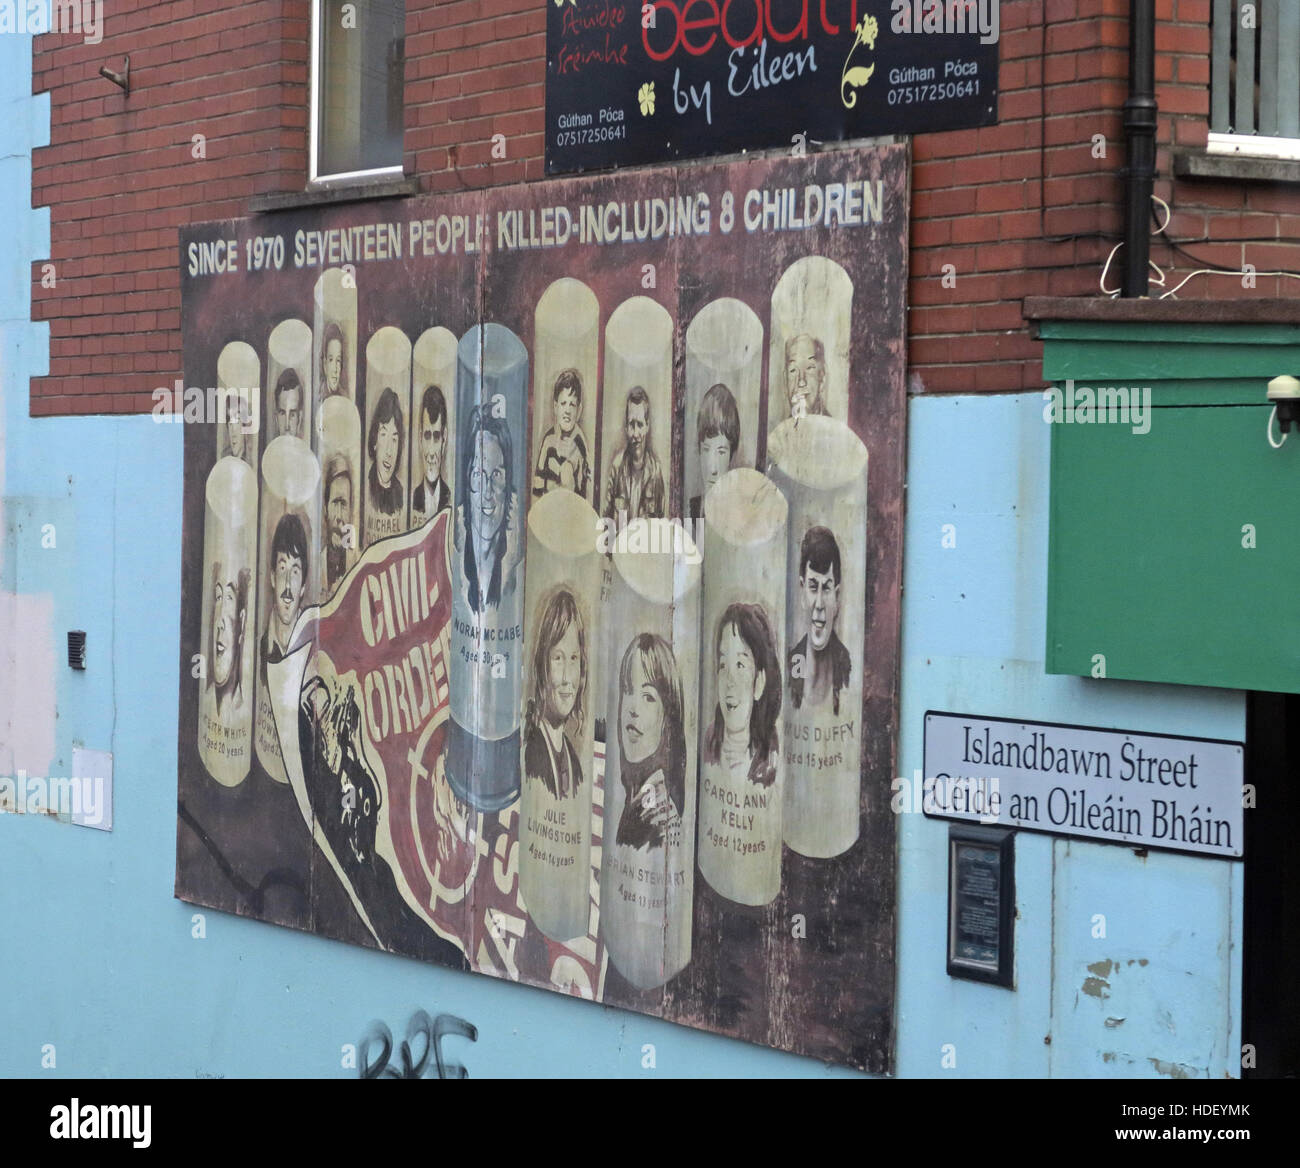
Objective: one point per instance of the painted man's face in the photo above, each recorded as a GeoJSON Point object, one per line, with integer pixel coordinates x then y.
{"type": "Point", "coordinates": [288, 411]}
{"type": "Point", "coordinates": [287, 584]}
{"type": "Point", "coordinates": [487, 484]}
{"type": "Point", "coordinates": [820, 595]}
{"type": "Point", "coordinates": [339, 507]}
{"type": "Point", "coordinates": [641, 718]}
{"type": "Point", "coordinates": [227, 628]}
{"type": "Point", "coordinates": [715, 459]}
{"type": "Point", "coordinates": [433, 442]}
{"type": "Point", "coordinates": [386, 443]}
{"type": "Point", "coordinates": [566, 410]}
{"type": "Point", "coordinates": [804, 375]}
{"type": "Point", "coordinates": [637, 428]}
{"type": "Point", "coordinates": [333, 365]}
{"type": "Point", "coordinates": [564, 674]}
{"type": "Point", "coordinates": [740, 683]}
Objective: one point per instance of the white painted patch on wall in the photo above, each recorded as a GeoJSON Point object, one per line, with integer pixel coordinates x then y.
{"type": "Point", "coordinates": [26, 683]}
{"type": "Point", "coordinates": [26, 653]}
{"type": "Point", "coordinates": [93, 770]}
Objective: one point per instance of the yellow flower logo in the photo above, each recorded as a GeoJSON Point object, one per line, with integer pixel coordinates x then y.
{"type": "Point", "coordinates": [646, 97]}
{"type": "Point", "coordinates": [859, 75]}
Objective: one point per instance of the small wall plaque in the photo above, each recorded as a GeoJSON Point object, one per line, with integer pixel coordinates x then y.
{"type": "Point", "coordinates": [981, 904]}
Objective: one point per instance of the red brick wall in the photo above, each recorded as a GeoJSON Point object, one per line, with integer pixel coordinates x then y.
{"type": "Point", "coordinates": [119, 176]}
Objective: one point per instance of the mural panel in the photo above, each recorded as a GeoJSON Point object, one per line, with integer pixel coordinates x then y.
{"type": "Point", "coordinates": [540, 592]}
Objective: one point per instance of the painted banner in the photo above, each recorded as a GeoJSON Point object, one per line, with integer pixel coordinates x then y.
{"type": "Point", "coordinates": [514, 513]}
{"type": "Point", "coordinates": [637, 81]}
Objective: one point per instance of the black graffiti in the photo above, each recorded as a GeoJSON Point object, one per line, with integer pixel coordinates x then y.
{"type": "Point", "coordinates": [433, 1031]}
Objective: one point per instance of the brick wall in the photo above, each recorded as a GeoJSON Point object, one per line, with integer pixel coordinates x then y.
{"type": "Point", "coordinates": [1026, 207]}
{"type": "Point", "coordinates": [121, 174]}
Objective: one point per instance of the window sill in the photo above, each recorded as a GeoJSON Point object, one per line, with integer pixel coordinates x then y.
{"type": "Point", "coordinates": [1235, 167]}
{"type": "Point", "coordinates": [1103, 309]}
{"type": "Point", "coordinates": [386, 188]}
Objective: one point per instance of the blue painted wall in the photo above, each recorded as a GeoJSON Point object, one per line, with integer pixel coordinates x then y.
{"type": "Point", "coordinates": [101, 962]}
{"type": "Point", "coordinates": [1165, 989]}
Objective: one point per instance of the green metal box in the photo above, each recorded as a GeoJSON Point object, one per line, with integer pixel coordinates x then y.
{"type": "Point", "coordinates": [1174, 546]}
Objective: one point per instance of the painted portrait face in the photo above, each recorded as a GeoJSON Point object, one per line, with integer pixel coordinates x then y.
{"type": "Point", "coordinates": [287, 583]}
{"type": "Point", "coordinates": [821, 601]}
{"type": "Point", "coordinates": [637, 427]}
{"type": "Point", "coordinates": [566, 410]}
{"type": "Point", "coordinates": [563, 675]}
{"type": "Point", "coordinates": [235, 414]}
{"type": "Point", "coordinates": [339, 507]}
{"type": "Point", "coordinates": [386, 444]}
{"type": "Point", "coordinates": [333, 364]}
{"type": "Point", "coordinates": [487, 485]}
{"type": "Point", "coordinates": [641, 716]}
{"type": "Point", "coordinates": [740, 682]}
{"type": "Point", "coordinates": [288, 410]}
{"type": "Point", "coordinates": [804, 375]}
{"type": "Point", "coordinates": [433, 442]}
{"type": "Point", "coordinates": [715, 459]}
{"type": "Point", "coordinates": [225, 629]}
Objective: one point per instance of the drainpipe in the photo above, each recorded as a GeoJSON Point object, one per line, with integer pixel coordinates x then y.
{"type": "Point", "coordinates": [1140, 130]}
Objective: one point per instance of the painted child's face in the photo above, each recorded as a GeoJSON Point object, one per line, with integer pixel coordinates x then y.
{"type": "Point", "coordinates": [564, 673]}
{"type": "Point", "coordinates": [641, 719]}
{"type": "Point", "coordinates": [566, 410]}
{"type": "Point", "coordinates": [820, 595]}
{"type": "Point", "coordinates": [715, 459]}
{"type": "Point", "coordinates": [333, 364]}
{"type": "Point", "coordinates": [740, 682]}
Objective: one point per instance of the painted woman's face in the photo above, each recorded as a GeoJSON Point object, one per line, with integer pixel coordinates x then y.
{"type": "Point", "coordinates": [740, 684]}
{"type": "Point", "coordinates": [386, 443]}
{"type": "Point", "coordinates": [641, 719]}
{"type": "Point", "coordinates": [487, 484]}
{"type": "Point", "coordinates": [564, 674]}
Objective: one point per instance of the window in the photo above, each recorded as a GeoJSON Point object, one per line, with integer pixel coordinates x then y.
{"type": "Point", "coordinates": [1255, 78]}
{"type": "Point", "coordinates": [356, 89]}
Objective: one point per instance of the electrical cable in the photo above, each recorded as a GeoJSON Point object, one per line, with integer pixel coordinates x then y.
{"type": "Point", "coordinates": [1268, 430]}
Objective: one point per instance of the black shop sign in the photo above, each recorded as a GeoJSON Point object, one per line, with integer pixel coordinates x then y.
{"type": "Point", "coordinates": [639, 81]}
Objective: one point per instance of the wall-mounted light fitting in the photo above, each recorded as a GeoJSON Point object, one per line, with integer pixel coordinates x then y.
{"type": "Point", "coordinates": [1284, 393]}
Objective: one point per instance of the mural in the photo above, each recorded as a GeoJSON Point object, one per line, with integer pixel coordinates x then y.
{"type": "Point", "coordinates": [540, 593]}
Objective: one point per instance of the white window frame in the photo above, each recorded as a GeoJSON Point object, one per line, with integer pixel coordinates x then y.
{"type": "Point", "coordinates": [314, 177]}
{"type": "Point", "coordinates": [1253, 146]}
